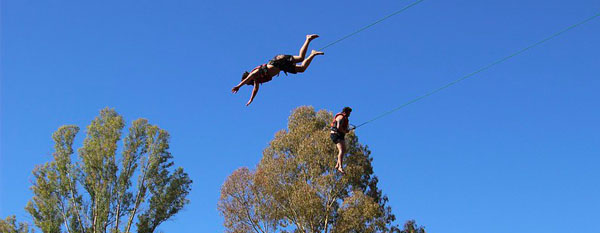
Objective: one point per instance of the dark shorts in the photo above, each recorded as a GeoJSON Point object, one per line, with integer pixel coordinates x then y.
{"type": "Point", "coordinates": [336, 137]}
{"type": "Point", "coordinates": [285, 64]}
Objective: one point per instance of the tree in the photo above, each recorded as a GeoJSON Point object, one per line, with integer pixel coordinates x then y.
{"type": "Point", "coordinates": [411, 227]}
{"type": "Point", "coordinates": [96, 193]}
{"type": "Point", "coordinates": [9, 225]}
{"type": "Point", "coordinates": [296, 188]}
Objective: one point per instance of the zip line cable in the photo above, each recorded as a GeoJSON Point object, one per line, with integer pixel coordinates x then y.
{"type": "Point", "coordinates": [501, 60]}
{"type": "Point", "coordinates": [372, 24]}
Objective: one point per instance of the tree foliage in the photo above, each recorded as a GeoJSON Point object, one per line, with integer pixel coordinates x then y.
{"type": "Point", "coordinates": [295, 187]}
{"type": "Point", "coordinates": [9, 225]}
{"type": "Point", "coordinates": [411, 227]}
{"type": "Point", "coordinates": [96, 193]}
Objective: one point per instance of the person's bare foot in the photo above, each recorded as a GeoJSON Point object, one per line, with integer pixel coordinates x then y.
{"type": "Point", "coordinates": [315, 52]}
{"type": "Point", "coordinates": [235, 90]}
{"type": "Point", "coordinates": [312, 36]}
{"type": "Point", "coordinates": [341, 170]}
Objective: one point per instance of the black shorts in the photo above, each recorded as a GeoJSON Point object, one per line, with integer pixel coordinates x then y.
{"type": "Point", "coordinates": [285, 64]}
{"type": "Point", "coordinates": [336, 137]}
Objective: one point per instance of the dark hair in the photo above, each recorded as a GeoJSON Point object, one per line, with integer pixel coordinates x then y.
{"type": "Point", "coordinates": [347, 110]}
{"type": "Point", "coordinates": [244, 77]}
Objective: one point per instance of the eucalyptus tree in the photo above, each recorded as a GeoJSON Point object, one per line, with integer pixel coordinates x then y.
{"type": "Point", "coordinates": [295, 187]}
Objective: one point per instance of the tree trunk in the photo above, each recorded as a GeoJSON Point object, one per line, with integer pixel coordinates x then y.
{"type": "Point", "coordinates": [65, 221]}
{"type": "Point", "coordinates": [137, 199]}
{"type": "Point", "coordinates": [95, 215]}
{"type": "Point", "coordinates": [118, 217]}
{"type": "Point", "coordinates": [77, 210]}
{"type": "Point", "coordinates": [133, 212]}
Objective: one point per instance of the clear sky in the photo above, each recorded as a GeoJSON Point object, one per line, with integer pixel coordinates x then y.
{"type": "Point", "coordinates": [515, 147]}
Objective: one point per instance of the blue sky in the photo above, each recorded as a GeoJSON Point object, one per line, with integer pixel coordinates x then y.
{"type": "Point", "coordinates": [514, 147]}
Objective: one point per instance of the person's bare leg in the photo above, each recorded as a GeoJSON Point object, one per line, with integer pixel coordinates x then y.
{"type": "Point", "coordinates": [339, 147]}
{"type": "Point", "coordinates": [304, 48]}
{"type": "Point", "coordinates": [340, 157]}
{"type": "Point", "coordinates": [301, 68]}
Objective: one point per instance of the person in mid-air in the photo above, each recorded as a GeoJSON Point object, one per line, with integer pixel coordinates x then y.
{"type": "Point", "coordinates": [339, 129]}
{"type": "Point", "coordinates": [286, 63]}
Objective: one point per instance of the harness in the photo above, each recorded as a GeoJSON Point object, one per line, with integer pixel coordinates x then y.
{"type": "Point", "coordinates": [263, 74]}
{"type": "Point", "coordinates": [343, 124]}
{"type": "Point", "coordinates": [285, 63]}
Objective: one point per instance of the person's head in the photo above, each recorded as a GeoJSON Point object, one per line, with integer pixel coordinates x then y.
{"type": "Point", "coordinates": [244, 76]}
{"type": "Point", "coordinates": [347, 111]}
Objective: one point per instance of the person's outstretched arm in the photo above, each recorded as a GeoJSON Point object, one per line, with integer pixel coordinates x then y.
{"type": "Point", "coordinates": [250, 76]}
{"type": "Point", "coordinates": [254, 91]}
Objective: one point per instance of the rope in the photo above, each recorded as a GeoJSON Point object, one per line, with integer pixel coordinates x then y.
{"type": "Point", "coordinates": [372, 24]}
{"type": "Point", "coordinates": [481, 69]}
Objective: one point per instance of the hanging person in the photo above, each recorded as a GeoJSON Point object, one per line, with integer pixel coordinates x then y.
{"type": "Point", "coordinates": [339, 129]}
{"type": "Point", "coordinates": [286, 63]}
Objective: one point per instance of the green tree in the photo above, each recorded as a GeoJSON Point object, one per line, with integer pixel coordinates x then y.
{"type": "Point", "coordinates": [9, 225]}
{"type": "Point", "coordinates": [296, 188]}
{"type": "Point", "coordinates": [97, 194]}
{"type": "Point", "coordinates": [411, 227]}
